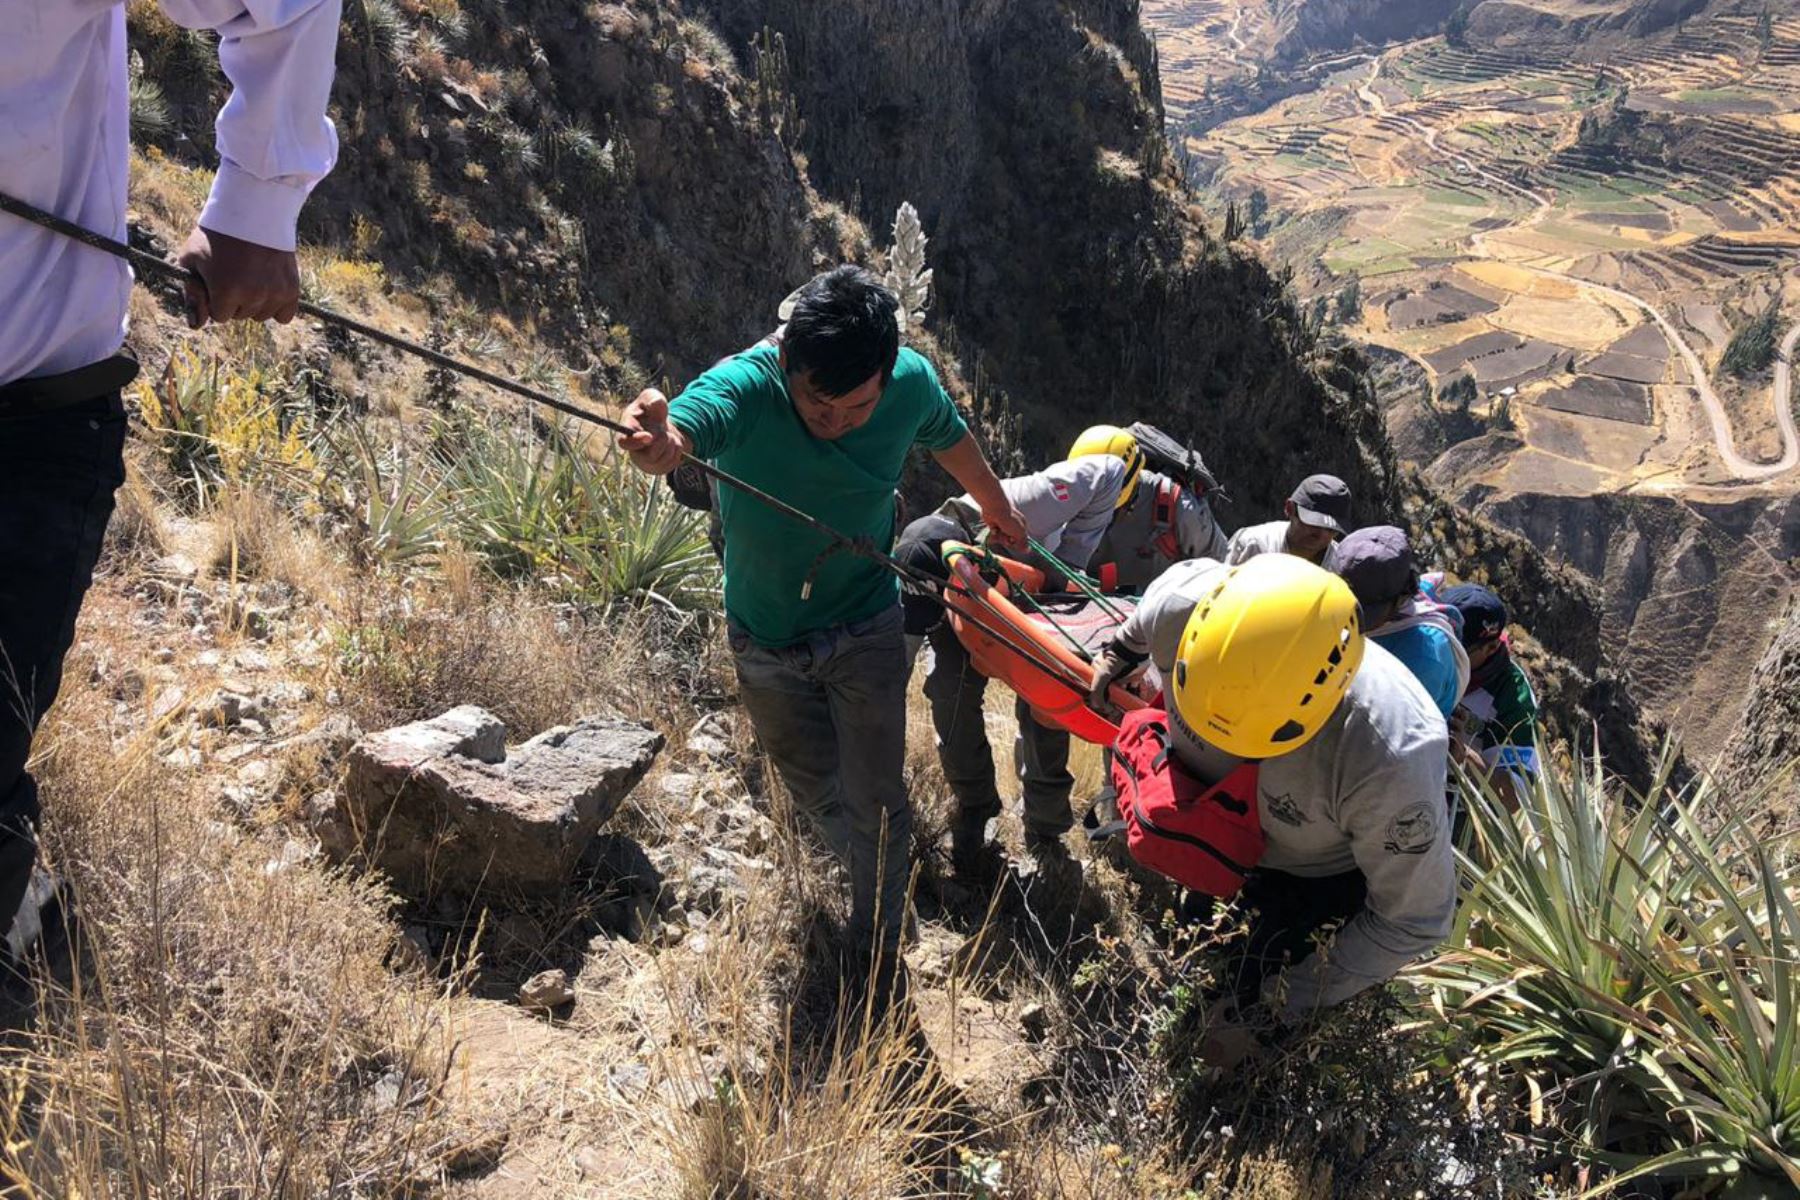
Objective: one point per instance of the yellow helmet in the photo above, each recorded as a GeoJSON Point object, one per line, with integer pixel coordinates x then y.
{"type": "Point", "coordinates": [1110, 439]}
{"type": "Point", "coordinates": [1267, 656]}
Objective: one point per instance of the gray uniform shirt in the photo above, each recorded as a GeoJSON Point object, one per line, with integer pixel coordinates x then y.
{"type": "Point", "coordinates": [1130, 541]}
{"type": "Point", "coordinates": [1267, 538]}
{"type": "Point", "coordinates": [1067, 506]}
{"type": "Point", "coordinates": [1365, 793]}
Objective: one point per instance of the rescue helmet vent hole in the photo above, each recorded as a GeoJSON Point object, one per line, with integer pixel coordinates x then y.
{"type": "Point", "coordinates": [1288, 732]}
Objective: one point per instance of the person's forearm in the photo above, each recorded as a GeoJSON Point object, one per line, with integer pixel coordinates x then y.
{"type": "Point", "coordinates": [274, 138]}
{"type": "Point", "coordinates": [969, 467]}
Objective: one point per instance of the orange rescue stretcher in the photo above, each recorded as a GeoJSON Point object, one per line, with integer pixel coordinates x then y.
{"type": "Point", "coordinates": [1024, 650]}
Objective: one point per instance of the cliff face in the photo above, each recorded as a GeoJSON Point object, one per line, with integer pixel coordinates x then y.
{"type": "Point", "coordinates": [1317, 26]}
{"type": "Point", "coordinates": [1688, 590]}
{"type": "Point", "coordinates": [1528, 25]}
{"type": "Point", "coordinates": [1765, 752]}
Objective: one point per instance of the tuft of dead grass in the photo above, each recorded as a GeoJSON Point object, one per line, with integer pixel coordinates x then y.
{"type": "Point", "coordinates": [236, 1015]}
{"type": "Point", "coordinates": [412, 649]}
{"type": "Point", "coordinates": [255, 540]}
{"type": "Point", "coordinates": [137, 533]}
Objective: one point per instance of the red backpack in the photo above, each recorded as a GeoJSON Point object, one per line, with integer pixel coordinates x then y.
{"type": "Point", "coordinates": [1206, 839]}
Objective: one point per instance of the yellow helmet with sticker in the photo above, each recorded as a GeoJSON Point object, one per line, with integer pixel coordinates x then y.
{"type": "Point", "coordinates": [1110, 439]}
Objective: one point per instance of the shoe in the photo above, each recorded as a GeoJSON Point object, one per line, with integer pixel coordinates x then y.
{"type": "Point", "coordinates": [971, 853]}
{"type": "Point", "coordinates": [1050, 861]}
{"type": "Point", "coordinates": [41, 944]}
{"type": "Point", "coordinates": [874, 999]}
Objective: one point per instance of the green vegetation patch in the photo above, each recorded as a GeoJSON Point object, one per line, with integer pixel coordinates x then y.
{"type": "Point", "coordinates": [1454, 198]}
{"type": "Point", "coordinates": [1537, 85]}
{"type": "Point", "coordinates": [1752, 347]}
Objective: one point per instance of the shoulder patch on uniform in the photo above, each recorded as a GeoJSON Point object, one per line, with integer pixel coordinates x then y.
{"type": "Point", "coordinates": [1413, 830]}
{"type": "Point", "coordinates": [1060, 490]}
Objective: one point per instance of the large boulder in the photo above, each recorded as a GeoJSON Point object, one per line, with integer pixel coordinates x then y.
{"type": "Point", "coordinates": [440, 805]}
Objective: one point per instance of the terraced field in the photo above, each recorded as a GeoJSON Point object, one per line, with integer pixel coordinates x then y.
{"type": "Point", "coordinates": [1579, 227]}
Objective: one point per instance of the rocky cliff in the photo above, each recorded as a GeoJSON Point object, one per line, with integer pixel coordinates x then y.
{"type": "Point", "coordinates": [1318, 26]}
{"type": "Point", "coordinates": [1765, 752]}
{"type": "Point", "coordinates": [1689, 590]}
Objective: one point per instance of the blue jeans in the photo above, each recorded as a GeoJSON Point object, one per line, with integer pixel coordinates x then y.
{"type": "Point", "coordinates": [831, 713]}
{"type": "Point", "coordinates": [58, 472]}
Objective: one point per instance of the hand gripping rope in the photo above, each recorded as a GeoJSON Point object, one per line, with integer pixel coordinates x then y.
{"type": "Point", "coordinates": [916, 581]}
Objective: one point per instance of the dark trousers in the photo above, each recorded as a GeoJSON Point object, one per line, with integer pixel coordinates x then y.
{"type": "Point", "coordinates": [58, 472]}
{"type": "Point", "coordinates": [1286, 913]}
{"type": "Point", "coordinates": [831, 713]}
{"type": "Point", "coordinates": [957, 692]}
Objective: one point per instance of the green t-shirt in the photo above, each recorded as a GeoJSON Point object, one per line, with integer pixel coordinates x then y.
{"type": "Point", "coordinates": [1505, 710]}
{"type": "Point", "coordinates": [739, 416]}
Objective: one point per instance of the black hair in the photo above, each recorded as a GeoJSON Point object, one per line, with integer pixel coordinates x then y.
{"type": "Point", "coordinates": [843, 330]}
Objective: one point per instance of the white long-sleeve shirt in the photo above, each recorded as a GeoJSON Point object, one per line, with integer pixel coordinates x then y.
{"type": "Point", "coordinates": [64, 146]}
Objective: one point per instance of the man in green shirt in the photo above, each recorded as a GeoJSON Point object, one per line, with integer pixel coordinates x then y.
{"type": "Point", "coordinates": [823, 416]}
{"type": "Point", "coordinates": [1499, 710]}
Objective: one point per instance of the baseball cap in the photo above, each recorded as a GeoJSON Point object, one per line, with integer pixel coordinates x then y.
{"type": "Point", "coordinates": [1484, 616]}
{"type": "Point", "coordinates": [1377, 563]}
{"type": "Point", "coordinates": [1323, 501]}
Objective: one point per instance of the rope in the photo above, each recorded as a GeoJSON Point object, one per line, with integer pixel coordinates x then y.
{"type": "Point", "coordinates": [1087, 585]}
{"type": "Point", "coordinates": [922, 583]}
{"type": "Point", "coordinates": [987, 558]}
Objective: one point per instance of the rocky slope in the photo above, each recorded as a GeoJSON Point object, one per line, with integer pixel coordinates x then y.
{"type": "Point", "coordinates": [1763, 754]}
{"type": "Point", "coordinates": [1689, 589]}
{"type": "Point", "coordinates": [1318, 26]}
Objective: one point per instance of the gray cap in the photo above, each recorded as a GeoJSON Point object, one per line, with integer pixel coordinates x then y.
{"type": "Point", "coordinates": [1323, 501]}
{"type": "Point", "coordinates": [1377, 563]}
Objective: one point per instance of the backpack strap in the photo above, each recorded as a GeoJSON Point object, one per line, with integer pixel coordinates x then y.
{"type": "Point", "coordinates": [1162, 520]}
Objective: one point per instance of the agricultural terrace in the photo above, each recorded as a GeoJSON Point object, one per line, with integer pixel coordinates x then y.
{"type": "Point", "coordinates": [1569, 228]}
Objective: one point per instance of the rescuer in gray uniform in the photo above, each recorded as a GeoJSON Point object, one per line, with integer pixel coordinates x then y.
{"type": "Point", "coordinates": [1099, 512]}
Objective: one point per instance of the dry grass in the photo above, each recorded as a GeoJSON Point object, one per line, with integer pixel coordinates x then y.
{"type": "Point", "coordinates": [237, 1012]}
{"type": "Point", "coordinates": [411, 649]}
{"type": "Point", "coordinates": [866, 1120]}
{"type": "Point", "coordinates": [137, 532]}
{"type": "Point", "coordinates": [254, 540]}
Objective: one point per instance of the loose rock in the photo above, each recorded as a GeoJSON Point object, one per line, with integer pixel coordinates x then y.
{"type": "Point", "coordinates": [711, 737]}
{"type": "Point", "coordinates": [547, 990]}
{"type": "Point", "coordinates": [440, 804]}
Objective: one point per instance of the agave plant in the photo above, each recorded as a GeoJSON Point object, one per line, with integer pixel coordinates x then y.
{"type": "Point", "coordinates": [524, 501]}
{"type": "Point", "coordinates": [396, 507]}
{"type": "Point", "coordinates": [543, 507]}
{"type": "Point", "coordinates": [651, 548]}
{"type": "Point", "coordinates": [1629, 961]}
